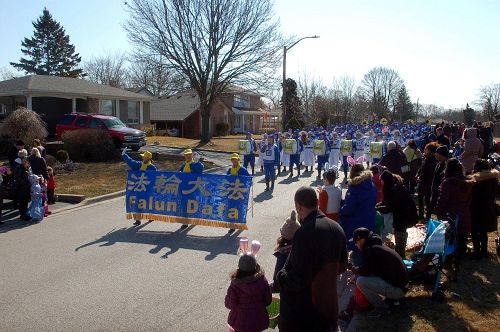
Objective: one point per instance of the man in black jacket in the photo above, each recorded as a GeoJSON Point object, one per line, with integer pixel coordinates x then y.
{"type": "Point", "coordinates": [13, 153]}
{"type": "Point", "coordinates": [442, 154]}
{"type": "Point", "coordinates": [308, 281]}
{"type": "Point", "coordinates": [383, 272]}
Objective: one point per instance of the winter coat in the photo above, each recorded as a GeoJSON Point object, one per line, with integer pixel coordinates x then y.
{"type": "Point", "coordinates": [247, 298]}
{"type": "Point", "coordinates": [308, 280]}
{"type": "Point", "coordinates": [393, 161]}
{"type": "Point", "coordinates": [436, 183]}
{"type": "Point", "coordinates": [281, 255]}
{"type": "Point", "coordinates": [473, 149]}
{"type": "Point", "coordinates": [13, 155]}
{"type": "Point", "coordinates": [359, 205]}
{"type": "Point", "coordinates": [21, 181]}
{"type": "Point", "coordinates": [482, 206]}
{"type": "Point", "coordinates": [378, 185]}
{"type": "Point", "coordinates": [38, 166]}
{"type": "Point", "coordinates": [399, 201]}
{"type": "Point", "coordinates": [425, 175]}
{"type": "Point", "coordinates": [383, 262]}
{"type": "Point", "coordinates": [454, 198]}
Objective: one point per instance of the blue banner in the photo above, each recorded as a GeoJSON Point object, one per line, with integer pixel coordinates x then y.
{"type": "Point", "coordinates": [188, 198]}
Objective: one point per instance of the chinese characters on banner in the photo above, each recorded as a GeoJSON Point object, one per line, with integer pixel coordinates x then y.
{"type": "Point", "coordinates": [198, 199]}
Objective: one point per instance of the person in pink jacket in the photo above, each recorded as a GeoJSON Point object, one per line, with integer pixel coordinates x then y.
{"type": "Point", "coordinates": [473, 149]}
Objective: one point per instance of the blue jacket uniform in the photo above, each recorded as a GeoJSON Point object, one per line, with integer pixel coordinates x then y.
{"type": "Point", "coordinates": [196, 167]}
{"type": "Point", "coordinates": [241, 172]}
{"type": "Point", "coordinates": [136, 165]}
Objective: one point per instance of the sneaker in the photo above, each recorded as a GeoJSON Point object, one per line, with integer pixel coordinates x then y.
{"type": "Point", "coordinates": [137, 223]}
{"type": "Point", "coordinates": [378, 312]}
{"type": "Point", "coordinates": [184, 226]}
{"type": "Point", "coordinates": [231, 231]}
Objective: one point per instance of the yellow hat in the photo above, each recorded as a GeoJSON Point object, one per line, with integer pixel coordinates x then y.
{"type": "Point", "coordinates": [235, 156]}
{"type": "Point", "coordinates": [147, 154]}
{"type": "Point", "coordinates": [187, 151]}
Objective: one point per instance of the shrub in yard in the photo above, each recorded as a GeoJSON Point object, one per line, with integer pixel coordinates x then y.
{"type": "Point", "coordinates": [62, 156]}
{"type": "Point", "coordinates": [24, 124]}
{"type": "Point", "coordinates": [89, 145]}
{"type": "Point", "coordinates": [222, 128]}
{"type": "Point", "coordinates": [150, 131]}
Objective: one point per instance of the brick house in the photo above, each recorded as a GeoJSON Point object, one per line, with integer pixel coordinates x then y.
{"type": "Point", "coordinates": [54, 96]}
{"type": "Point", "coordinates": [242, 110]}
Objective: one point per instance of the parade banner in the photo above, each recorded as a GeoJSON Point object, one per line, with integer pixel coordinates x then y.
{"type": "Point", "coordinates": [198, 199]}
{"type": "Point", "coordinates": [346, 147]}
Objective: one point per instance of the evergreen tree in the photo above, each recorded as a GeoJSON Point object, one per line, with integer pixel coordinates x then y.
{"type": "Point", "coordinates": [469, 115]}
{"type": "Point", "coordinates": [403, 107]}
{"type": "Point", "coordinates": [293, 117]}
{"type": "Point", "coordinates": [49, 52]}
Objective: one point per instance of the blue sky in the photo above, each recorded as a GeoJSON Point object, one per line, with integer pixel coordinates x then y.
{"type": "Point", "coordinates": [445, 50]}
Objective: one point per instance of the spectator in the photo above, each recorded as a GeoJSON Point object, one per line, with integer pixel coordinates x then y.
{"type": "Point", "coordinates": [413, 157]}
{"type": "Point", "coordinates": [442, 155]}
{"type": "Point", "coordinates": [247, 297]}
{"type": "Point", "coordinates": [51, 187]}
{"type": "Point", "coordinates": [482, 207]}
{"type": "Point", "coordinates": [38, 164]}
{"type": "Point", "coordinates": [382, 273]}
{"type": "Point", "coordinates": [359, 205]}
{"type": "Point", "coordinates": [424, 180]}
{"type": "Point", "coordinates": [13, 153]}
{"type": "Point", "coordinates": [376, 172]}
{"type": "Point", "coordinates": [399, 202]}
{"type": "Point", "coordinates": [473, 149]}
{"type": "Point", "coordinates": [441, 137]}
{"type": "Point", "coordinates": [330, 196]}
{"type": "Point", "coordinates": [454, 199]}
{"type": "Point", "coordinates": [284, 246]}
{"type": "Point", "coordinates": [37, 144]}
{"type": "Point", "coordinates": [307, 282]}
{"type": "Point", "coordinates": [22, 187]}
{"type": "Point", "coordinates": [394, 159]}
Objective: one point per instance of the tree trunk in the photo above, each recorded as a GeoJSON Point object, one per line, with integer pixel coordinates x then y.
{"type": "Point", "coordinates": [205, 122]}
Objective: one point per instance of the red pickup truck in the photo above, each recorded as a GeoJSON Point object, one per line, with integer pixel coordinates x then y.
{"type": "Point", "coordinates": [122, 135]}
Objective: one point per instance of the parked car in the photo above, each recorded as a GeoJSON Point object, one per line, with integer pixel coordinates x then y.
{"type": "Point", "coordinates": [122, 135]}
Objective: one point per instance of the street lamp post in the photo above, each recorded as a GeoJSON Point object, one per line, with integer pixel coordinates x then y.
{"type": "Point", "coordinates": [283, 107]}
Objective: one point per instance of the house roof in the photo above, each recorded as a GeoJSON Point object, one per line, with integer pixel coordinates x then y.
{"type": "Point", "coordinates": [55, 86]}
{"type": "Point", "coordinates": [175, 108]}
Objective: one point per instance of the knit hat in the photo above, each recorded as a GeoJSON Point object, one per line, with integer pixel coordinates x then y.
{"type": "Point", "coordinates": [443, 151]}
{"type": "Point", "coordinates": [391, 145]}
{"type": "Point", "coordinates": [290, 226]}
{"type": "Point", "coordinates": [247, 263]}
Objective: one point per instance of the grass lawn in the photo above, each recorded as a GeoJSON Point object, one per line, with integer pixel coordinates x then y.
{"type": "Point", "coordinates": [472, 304]}
{"type": "Point", "coordinates": [95, 179]}
{"type": "Point", "coordinates": [226, 143]}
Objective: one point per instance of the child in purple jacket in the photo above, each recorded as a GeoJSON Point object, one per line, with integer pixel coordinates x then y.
{"type": "Point", "coordinates": [247, 297]}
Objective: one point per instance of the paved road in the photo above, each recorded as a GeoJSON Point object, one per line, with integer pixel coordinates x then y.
{"type": "Point", "coordinates": [88, 269]}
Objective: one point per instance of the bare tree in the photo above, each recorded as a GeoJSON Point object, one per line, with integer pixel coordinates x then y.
{"type": "Point", "coordinates": [309, 88]}
{"type": "Point", "coordinates": [345, 92]}
{"type": "Point", "coordinates": [380, 86]}
{"type": "Point", "coordinates": [212, 44]}
{"type": "Point", "coordinates": [7, 74]}
{"type": "Point", "coordinates": [109, 69]}
{"type": "Point", "coordinates": [154, 74]}
{"type": "Point", "coordinates": [489, 99]}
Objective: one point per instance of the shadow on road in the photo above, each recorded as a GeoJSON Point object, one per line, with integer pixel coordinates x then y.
{"type": "Point", "coordinates": [263, 196]}
{"type": "Point", "coordinates": [289, 180]}
{"type": "Point", "coordinates": [179, 239]}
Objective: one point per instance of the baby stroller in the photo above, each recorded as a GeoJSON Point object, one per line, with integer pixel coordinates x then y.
{"type": "Point", "coordinates": [441, 241]}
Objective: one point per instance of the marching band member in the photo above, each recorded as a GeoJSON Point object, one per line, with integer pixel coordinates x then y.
{"type": "Point", "coordinates": [285, 157]}
{"type": "Point", "coordinates": [295, 157]}
{"type": "Point", "coordinates": [358, 146]}
{"type": "Point", "coordinates": [324, 154]}
{"type": "Point", "coordinates": [145, 165]}
{"type": "Point", "coordinates": [333, 160]}
{"type": "Point", "coordinates": [277, 141]}
{"type": "Point", "coordinates": [308, 153]}
{"type": "Point", "coordinates": [271, 155]}
{"type": "Point", "coordinates": [368, 140]}
{"type": "Point", "coordinates": [250, 156]}
{"type": "Point", "coordinates": [260, 161]}
{"type": "Point", "coordinates": [399, 139]}
{"type": "Point", "coordinates": [346, 151]}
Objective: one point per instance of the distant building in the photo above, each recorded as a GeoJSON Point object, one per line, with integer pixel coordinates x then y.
{"type": "Point", "coordinates": [54, 96]}
{"type": "Point", "coordinates": [242, 110]}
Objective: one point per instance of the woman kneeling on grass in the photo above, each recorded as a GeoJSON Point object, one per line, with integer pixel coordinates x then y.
{"type": "Point", "coordinates": [145, 165]}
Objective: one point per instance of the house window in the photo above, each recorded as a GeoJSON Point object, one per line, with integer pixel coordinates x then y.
{"type": "Point", "coordinates": [237, 121]}
{"type": "Point", "coordinates": [241, 101]}
{"type": "Point", "coordinates": [108, 107]}
{"type": "Point", "coordinates": [133, 112]}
